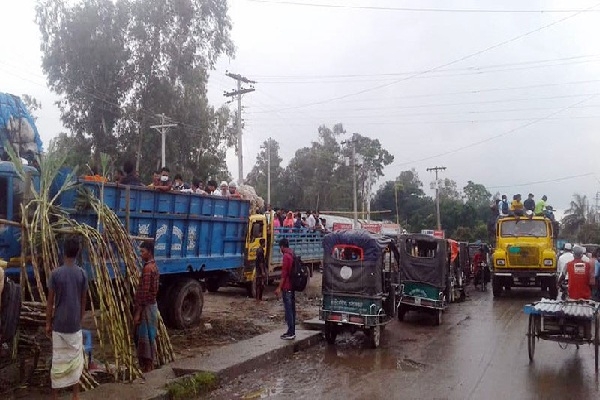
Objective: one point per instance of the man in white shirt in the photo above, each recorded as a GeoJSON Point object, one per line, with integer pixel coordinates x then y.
{"type": "Point", "coordinates": [310, 220]}
{"type": "Point", "coordinates": [565, 258]}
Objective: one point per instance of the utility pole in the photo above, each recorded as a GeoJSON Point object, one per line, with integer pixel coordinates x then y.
{"type": "Point", "coordinates": [269, 171]}
{"type": "Point", "coordinates": [239, 92]}
{"type": "Point", "coordinates": [597, 211]}
{"type": "Point", "coordinates": [162, 128]}
{"type": "Point", "coordinates": [437, 195]}
{"type": "Point", "coordinates": [354, 190]}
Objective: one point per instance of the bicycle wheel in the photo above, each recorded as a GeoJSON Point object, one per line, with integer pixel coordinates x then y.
{"type": "Point", "coordinates": [531, 337]}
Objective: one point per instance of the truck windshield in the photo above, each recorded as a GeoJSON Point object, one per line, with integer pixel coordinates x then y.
{"type": "Point", "coordinates": [524, 227]}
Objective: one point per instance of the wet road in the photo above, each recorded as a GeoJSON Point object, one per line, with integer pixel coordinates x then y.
{"type": "Point", "coordinates": [479, 352]}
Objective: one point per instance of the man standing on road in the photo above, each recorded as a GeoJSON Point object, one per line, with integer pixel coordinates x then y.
{"type": "Point", "coordinates": [67, 295]}
{"type": "Point", "coordinates": [285, 289]}
{"type": "Point", "coordinates": [580, 274]}
{"type": "Point", "coordinates": [261, 273]}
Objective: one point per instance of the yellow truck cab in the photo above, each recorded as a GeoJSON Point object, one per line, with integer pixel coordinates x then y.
{"type": "Point", "coordinates": [524, 254]}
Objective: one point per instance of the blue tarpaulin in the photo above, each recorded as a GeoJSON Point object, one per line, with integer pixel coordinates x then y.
{"type": "Point", "coordinates": [18, 127]}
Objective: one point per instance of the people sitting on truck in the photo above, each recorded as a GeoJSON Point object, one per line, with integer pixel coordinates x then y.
{"type": "Point", "coordinates": [579, 274]}
{"type": "Point", "coordinates": [178, 184]}
{"type": "Point", "coordinates": [211, 188]}
{"type": "Point", "coordinates": [503, 207]}
{"type": "Point", "coordinates": [540, 206]}
{"type": "Point", "coordinates": [597, 275]}
{"type": "Point", "coordinates": [549, 213]}
{"type": "Point", "coordinates": [233, 192]}
{"type": "Point", "coordinates": [516, 206]}
{"type": "Point", "coordinates": [165, 184]}
{"type": "Point", "coordinates": [298, 223]}
{"type": "Point", "coordinates": [223, 189]}
{"type": "Point", "coordinates": [155, 178]}
{"type": "Point", "coordinates": [198, 186]}
{"type": "Point", "coordinates": [529, 204]}
{"type": "Point", "coordinates": [130, 177]}
{"type": "Point", "coordinates": [288, 222]}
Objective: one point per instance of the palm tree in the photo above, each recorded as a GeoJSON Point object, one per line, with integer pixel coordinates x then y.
{"type": "Point", "coordinates": [577, 215]}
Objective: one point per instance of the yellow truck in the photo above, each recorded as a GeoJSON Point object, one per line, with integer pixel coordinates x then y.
{"type": "Point", "coordinates": [524, 254]}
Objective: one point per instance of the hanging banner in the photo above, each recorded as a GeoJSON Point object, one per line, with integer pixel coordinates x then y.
{"type": "Point", "coordinates": [373, 228]}
{"type": "Point", "coordinates": [338, 226]}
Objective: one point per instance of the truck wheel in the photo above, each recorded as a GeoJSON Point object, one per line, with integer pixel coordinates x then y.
{"type": "Point", "coordinates": [212, 284]}
{"type": "Point", "coordinates": [186, 302]}
{"type": "Point", "coordinates": [496, 287]}
{"type": "Point", "coordinates": [552, 289]}
{"type": "Point", "coordinates": [374, 336]}
{"type": "Point", "coordinates": [330, 332]}
{"type": "Point", "coordinates": [401, 312]}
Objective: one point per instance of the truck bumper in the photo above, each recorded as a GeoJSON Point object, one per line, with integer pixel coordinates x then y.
{"type": "Point", "coordinates": [525, 277]}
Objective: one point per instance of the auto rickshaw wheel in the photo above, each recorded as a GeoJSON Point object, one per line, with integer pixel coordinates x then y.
{"type": "Point", "coordinates": [438, 317]}
{"type": "Point", "coordinates": [330, 332]}
{"type": "Point", "coordinates": [374, 335]}
{"type": "Point", "coordinates": [401, 312]}
{"type": "Point", "coordinates": [531, 337]}
{"type": "Point", "coordinates": [596, 341]}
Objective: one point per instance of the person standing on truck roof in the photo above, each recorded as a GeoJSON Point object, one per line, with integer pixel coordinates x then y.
{"type": "Point", "coordinates": [529, 204]}
{"type": "Point", "coordinates": [261, 271]}
{"type": "Point", "coordinates": [67, 296]}
{"type": "Point", "coordinates": [164, 185]}
{"type": "Point", "coordinates": [285, 290]}
{"type": "Point", "coordinates": [540, 206]}
{"type": "Point", "coordinates": [503, 207]}
{"type": "Point", "coordinates": [310, 220]}
{"type": "Point", "coordinates": [580, 275]}
{"type": "Point", "coordinates": [145, 319]}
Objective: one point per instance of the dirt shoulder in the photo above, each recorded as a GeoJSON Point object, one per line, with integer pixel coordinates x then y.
{"type": "Point", "coordinates": [230, 316]}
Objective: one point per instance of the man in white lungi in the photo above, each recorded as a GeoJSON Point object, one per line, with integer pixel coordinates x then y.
{"type": "Point", "coordinates": [67, 296]}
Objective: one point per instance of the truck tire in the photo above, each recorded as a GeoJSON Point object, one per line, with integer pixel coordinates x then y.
{"type": "Point", "coordinates": [552, 288]}
{"type": "Point", "coordinates": [185, 304]}
{"type": "Point", "coordinates": [212, 284]}
{"type": "Point", "coordinates": [496, 287]}
{"type": "Point", "coordinates": [10, 311]}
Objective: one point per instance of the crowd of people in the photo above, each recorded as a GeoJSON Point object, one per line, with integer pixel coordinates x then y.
{"type": "Point", "coordinates": [161, 180]}
{"type": "Point", "coordinates": [295, 220]}
{"type": "Point", "coordinates": [529, 207]}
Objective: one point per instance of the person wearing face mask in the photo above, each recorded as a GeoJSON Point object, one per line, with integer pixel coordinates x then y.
{"type": "Point", "coordinates": [165, 183]}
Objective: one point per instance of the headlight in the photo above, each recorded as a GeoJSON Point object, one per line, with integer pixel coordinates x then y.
{"type": "Point", "coordinates": [548, 262]}
{"type": "Point", "coordinates": [500, 261]}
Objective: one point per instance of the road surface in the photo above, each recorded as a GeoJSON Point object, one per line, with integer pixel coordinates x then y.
{"type": "Point", "coordinates": [479, 352]}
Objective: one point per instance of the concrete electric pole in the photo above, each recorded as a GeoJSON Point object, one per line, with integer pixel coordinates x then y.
{"type": "Point", "coordinates": [162, 128]}
{"type": "Point", "coordinates": [239, 92]}
{"type": "Point", "coordinates": [354, 189]}
{"type": "Point", "coordinates": [437, 195]}
{"type": "Point", "coordinates": [269, 171]}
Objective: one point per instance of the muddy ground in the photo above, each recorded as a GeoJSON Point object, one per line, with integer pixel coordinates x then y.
{"type": "Point", "coordinates": [229, 316]}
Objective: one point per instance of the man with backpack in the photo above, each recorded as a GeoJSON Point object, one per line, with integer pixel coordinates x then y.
{"type": "Point", "coordinates": [286, 290]}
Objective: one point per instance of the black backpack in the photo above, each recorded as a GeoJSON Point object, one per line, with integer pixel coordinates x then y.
{"type": "Point", "coordinates": [299, 276]}
{"type": "Point", "coordinates": [10, 310]}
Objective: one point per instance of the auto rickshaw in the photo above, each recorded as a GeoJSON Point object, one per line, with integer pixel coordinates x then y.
{"type": "Point", "coordinates": [360, 280]}
{"type": "Point", "coordinates": [425, 281]}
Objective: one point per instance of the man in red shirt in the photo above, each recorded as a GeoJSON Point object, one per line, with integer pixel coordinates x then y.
{"type": "Point", "coordinates": [579, 273]}
{"type": "Point", "coordinates": [285, 289]}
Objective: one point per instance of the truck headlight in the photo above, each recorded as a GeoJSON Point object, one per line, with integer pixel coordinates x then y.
{"type": "Point", "coordinates": [500, 261]}
{"type": "Point", "coordinates": [548, 262]}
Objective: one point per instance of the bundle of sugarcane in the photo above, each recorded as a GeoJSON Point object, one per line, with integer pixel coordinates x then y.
{"type": "Point", "coordinates": [33, 313]}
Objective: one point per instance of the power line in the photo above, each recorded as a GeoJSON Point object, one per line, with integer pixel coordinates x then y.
{"type": "Point", "coordinates": [564, 178]}
{"type": "Point", "coordinates": [505, 133]}
{"type": "Point", "coordinates": [421, 9]}
{"type": "Point", "coordinates": [466, 57]}
{"type": "Point", "coordinates": [471, 70]}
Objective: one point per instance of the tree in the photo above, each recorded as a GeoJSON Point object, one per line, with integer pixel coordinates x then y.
{"type": "Point", "coordinates": [476, 194]}
{"type": "Point", "coordinates": [576, 216]}
{"type": "Point", "coordinates": [33, 105]}
{"type": "Point", "coordinates": [449, 190]}
{"type": "Point", "coordinates": [258, 175]}
{"type": "Point", "coordinates": [118, 64]}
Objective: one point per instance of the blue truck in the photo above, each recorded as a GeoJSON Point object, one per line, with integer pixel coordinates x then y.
{"type": "Point", "coordinates": [201, 242]}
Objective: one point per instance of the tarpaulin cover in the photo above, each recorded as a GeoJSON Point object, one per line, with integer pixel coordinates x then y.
{"type": "Point", "coordinates": [18, 127]}
{"type": "Point", "coordinates": [362, 277]}
{"type": "Point", "coordinates": [430, 270]}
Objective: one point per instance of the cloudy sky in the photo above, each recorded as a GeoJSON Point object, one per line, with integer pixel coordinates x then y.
{"type": "Point", "coordinates": [509, 98]}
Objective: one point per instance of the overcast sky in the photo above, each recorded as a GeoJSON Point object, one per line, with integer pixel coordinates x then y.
{"type": "Point", "coordinates": [507, 99]}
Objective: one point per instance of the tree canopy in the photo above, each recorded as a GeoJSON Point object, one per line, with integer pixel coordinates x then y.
{"type": "Point", "coordinates": [118, 65]}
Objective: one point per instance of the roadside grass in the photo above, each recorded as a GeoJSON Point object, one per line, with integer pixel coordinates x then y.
{"type": "Point", "coordinates": [193, 385]}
